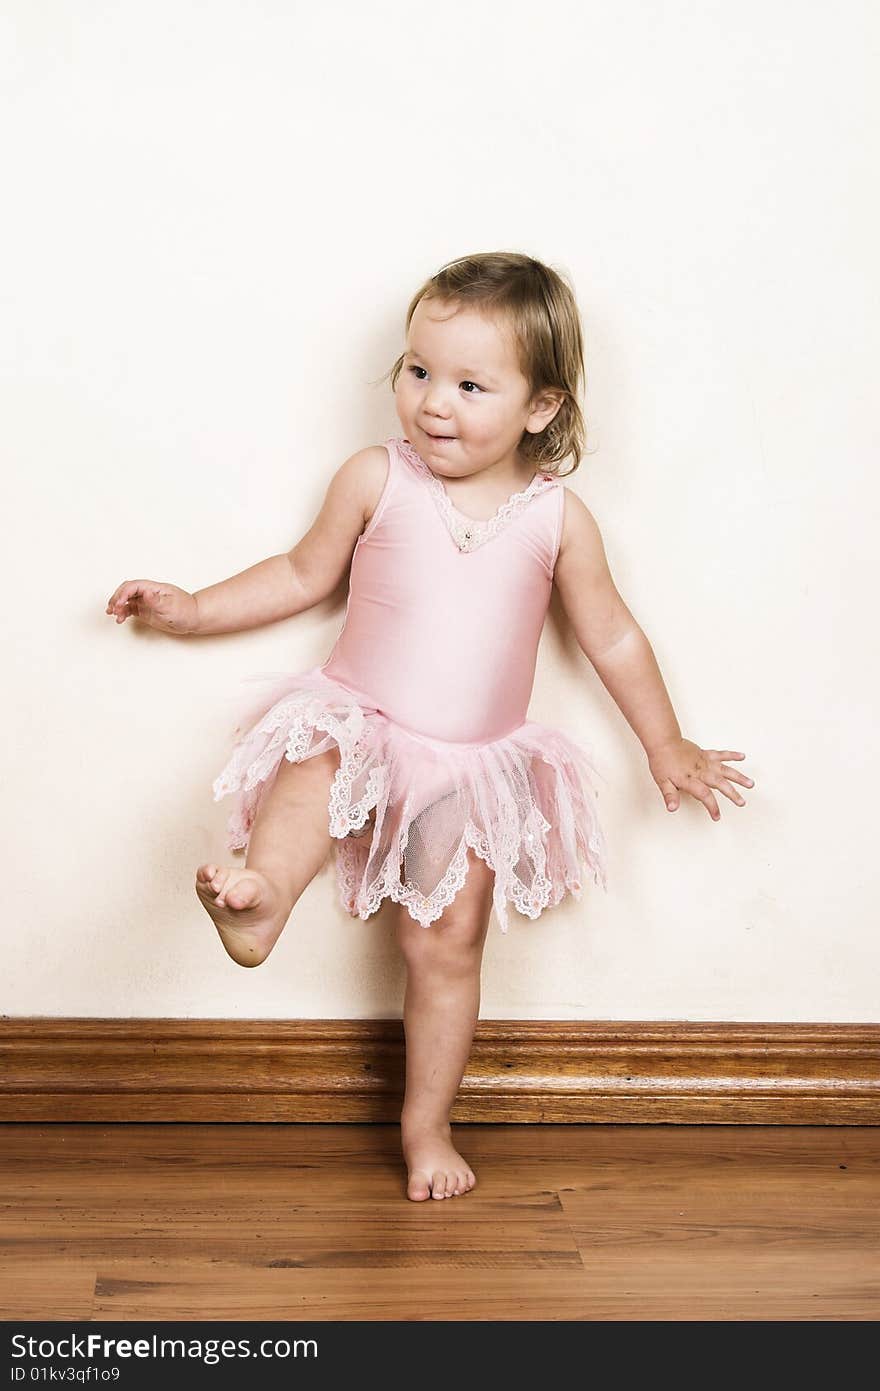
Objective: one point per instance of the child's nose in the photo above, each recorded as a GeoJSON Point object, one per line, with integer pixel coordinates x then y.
{"type": "Point", "coordinates": [436, 402]}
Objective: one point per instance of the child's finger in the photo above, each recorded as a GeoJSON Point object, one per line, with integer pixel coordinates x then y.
{"type": "Point", "coordinates": [670, 792]}
{"type": "Point", "coordinates": [703, 793]}
{"type": "Point", "coordinates": [121, 610]}
{"type": "Point", "coordinates": [136, 596]}
{"type": "Point", "coordinates": [121, 604]}
{"type": "Point", "coordinates": [736, 776]}
{"type": "Point", "coordinates": [723, 754]}
{"type": "Point", "coordinates": [118, 598]}
{"type": "Point", "coordinates": [731, 792]}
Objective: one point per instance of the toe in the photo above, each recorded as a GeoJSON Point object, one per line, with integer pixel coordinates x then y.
{"type": "Point", "coordinates": [438, 1184]}
{"type": "Point", "coordinates": [418, 1186]}
{"type": "Point", "coordinates": [218, 883]}
{"type": "Point", "coordinates": [235, 891]}
{"type": "Point", "coordinates": [248, 891]}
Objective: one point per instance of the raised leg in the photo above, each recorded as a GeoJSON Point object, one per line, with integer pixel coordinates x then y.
{"type": "Point", "coordinates": [289, 843]}
{"type": "Point", "coordinates": [441, 1007]}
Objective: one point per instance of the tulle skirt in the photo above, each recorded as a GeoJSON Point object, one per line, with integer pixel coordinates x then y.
{"type": "Point", "coordinates": [404, 808]}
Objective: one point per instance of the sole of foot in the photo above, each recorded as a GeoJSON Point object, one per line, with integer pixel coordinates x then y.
{"type": "Point", "coordinates": [435, 1168]}
{"type": "Point", "coordinates": [245, 908]}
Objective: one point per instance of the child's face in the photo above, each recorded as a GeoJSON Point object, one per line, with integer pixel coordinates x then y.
{"type": "Point", "coordinates": [460, 378]}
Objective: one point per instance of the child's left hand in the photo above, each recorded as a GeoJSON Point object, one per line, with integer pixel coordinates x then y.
{"type": "Point", "coordinates": [683, 765]}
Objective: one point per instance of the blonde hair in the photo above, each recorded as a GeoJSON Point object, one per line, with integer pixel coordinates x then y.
{"type": "Point", "coordinates": [537, 303]}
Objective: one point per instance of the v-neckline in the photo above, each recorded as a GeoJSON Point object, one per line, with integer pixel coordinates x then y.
{"type": "Point", "coordinates": [471, 532]}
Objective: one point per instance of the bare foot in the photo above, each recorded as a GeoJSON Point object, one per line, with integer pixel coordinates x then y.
{"type": "Point", "coordinates": [436, 1169]}
{"type": "Point", "coordinates": [247, 910]}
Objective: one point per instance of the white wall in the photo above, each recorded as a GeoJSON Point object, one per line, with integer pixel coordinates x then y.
{"type": "Point", "coordinates": [215, 216]}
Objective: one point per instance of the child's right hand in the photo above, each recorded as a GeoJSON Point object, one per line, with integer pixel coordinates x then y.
{"type": "Point", "coordinates": [161, 606]}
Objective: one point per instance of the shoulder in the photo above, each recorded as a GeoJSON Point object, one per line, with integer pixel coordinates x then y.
{"type": "Point", "coordinates": [363, 475]}
{"type": "Point", "coordinates": [580, 537]}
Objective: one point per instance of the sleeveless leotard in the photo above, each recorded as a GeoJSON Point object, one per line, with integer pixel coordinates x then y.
{"type": "Point", "coordinates": [425, 696]}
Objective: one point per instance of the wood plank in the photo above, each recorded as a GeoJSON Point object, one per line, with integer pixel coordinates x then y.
{"type": "Point", "coordinates": [519, 1071]}
{"type": "Point", "coordinates": [566, 1222]}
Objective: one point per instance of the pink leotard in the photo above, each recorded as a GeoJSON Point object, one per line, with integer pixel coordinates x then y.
{"type": "Point", "coordinates": [425, 697]}
{"type": "Point", "coordinates": [444, 641]}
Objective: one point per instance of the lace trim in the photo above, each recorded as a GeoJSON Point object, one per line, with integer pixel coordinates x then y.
{"type": "Point", "coordinates": [292, 725]}
{"type": "Point", "coordinates": [425, 910]}
{"type": "Point", "coordinates": [467, 533]}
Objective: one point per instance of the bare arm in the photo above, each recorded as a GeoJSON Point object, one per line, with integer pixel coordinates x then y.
{"type": "Point", "coordinates": [606, 631]}
{"type": "Point", "coordinates": [298, 579]}
{"type": "Point", "coordinates": [263, 593]}
{"type": "Point", "coordinates": [622, 655]}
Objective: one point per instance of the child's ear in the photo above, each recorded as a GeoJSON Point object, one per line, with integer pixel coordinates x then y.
{"type": "Point", "coordinates": [545, 407]}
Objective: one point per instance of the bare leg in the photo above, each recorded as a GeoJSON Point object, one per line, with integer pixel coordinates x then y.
{"type": "Point", "coordinates": [289, 843]}
{"type": "Point", "coordinates": [441, 1008]}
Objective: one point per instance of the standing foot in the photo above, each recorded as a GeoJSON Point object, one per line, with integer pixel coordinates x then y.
{"type": "Point", "coordinates": [435, 1168]}
{"type": "Point", "coordinates": [247, 909]}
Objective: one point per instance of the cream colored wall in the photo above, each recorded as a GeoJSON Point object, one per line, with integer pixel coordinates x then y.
{"type": "Point", "coordinates": [215, 219]}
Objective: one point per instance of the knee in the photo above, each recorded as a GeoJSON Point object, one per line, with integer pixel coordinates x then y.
{"type": "Point", "coordinates": [453, 942]}
{"type": "Point", "coordinates": [456, 938]}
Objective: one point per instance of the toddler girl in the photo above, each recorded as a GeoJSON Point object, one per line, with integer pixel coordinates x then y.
{"type": "Point", "coordinates": [408, 749]}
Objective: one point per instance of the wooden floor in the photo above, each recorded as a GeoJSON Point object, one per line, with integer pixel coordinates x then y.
{"type": "Point", "coordinates": [231, 1222]}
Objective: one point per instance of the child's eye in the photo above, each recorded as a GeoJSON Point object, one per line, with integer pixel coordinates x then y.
{"type": "Point", "coordinates": [466, 383]}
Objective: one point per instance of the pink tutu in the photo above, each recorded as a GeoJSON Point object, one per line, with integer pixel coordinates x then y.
{"type": "Point", "coordinates": [404, 808]}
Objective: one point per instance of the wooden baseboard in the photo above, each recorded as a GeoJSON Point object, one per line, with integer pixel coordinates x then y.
{"type": "Point", "coordinates": [671, 1072]}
